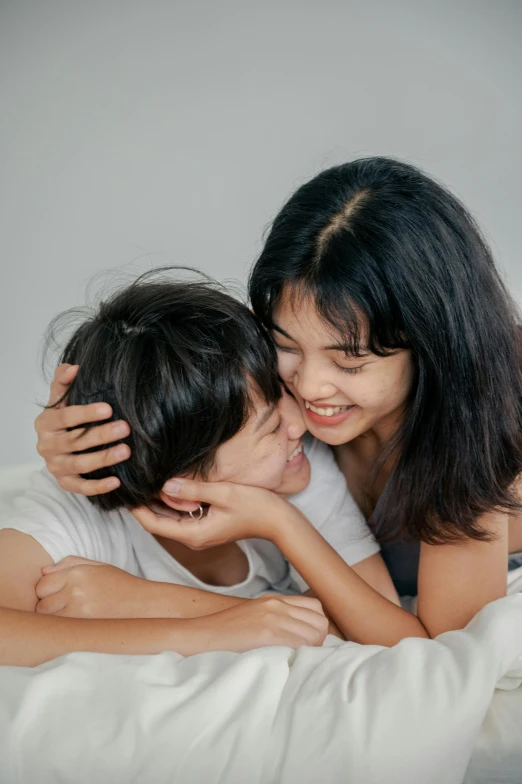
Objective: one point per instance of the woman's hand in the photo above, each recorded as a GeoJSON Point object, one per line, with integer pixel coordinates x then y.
{"type": "Point", "coordinates": [257, 623]}
{"type": "Point", "coordinates": [80, 588]}
{"type": "Point", "coordinates": [59, 446]}
{"type": "Point", "coordinates": [235, 512]}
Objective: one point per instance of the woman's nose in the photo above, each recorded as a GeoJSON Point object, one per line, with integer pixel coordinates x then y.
{"type": "Point", "coordinates": [309, 384]}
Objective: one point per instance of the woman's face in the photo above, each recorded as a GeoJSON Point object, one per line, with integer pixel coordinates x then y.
{"type": "Point", "coordinates": [341, 396]}
{"type": "Point", "coordinates": [267, 452]}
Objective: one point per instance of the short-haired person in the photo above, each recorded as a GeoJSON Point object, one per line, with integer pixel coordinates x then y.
{"type": "Point", "coordinates": [193, 373]}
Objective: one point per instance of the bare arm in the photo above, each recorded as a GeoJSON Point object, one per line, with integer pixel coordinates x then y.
{"type": "Point", "coordinates": [359, 610]}
{"type": "Point", "coordinates": [238, 512]}
{"type": "Point", "coordinates": [28, 638]}
{"type": "Point", "coordinates": [81, 588]}
{"type": "Point", "coordinates": [455, 581]}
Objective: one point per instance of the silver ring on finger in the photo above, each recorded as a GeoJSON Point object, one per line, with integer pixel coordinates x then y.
{"type": "Point", "coordinates": [200, 514]}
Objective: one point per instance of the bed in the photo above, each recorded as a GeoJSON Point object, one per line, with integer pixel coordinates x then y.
{"type": "Point", "coordinates": [442, 711]}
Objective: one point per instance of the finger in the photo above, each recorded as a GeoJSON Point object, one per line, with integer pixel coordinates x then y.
{"type": "Point", "coordinates": [164, 526]}
{"type": "Point", "coordinates": [88, 487]}
{"type": "Point", "coordinates": [165, 511]}
{"type": "Point", "coordinates": [307, 602]}
{"type": "Point", "coordinates": [51, 604]}
{"type": "Point", "coordinates": [57, 420]}
{"type": "Point", "coordinates": [100, 435]}
{"type": "Point", "coordinates": [214, 493]}
{"type": "Point", "coordinates": [63, 375]}
{"type": "Point", "coordinates": [50, 583]}
{"type": "Point", "coordinates": [305, 632]}
{"type": "Point", "coordinates": [73, 464]}
{"type": "Point", "coordinates": [67, 563]}
{"type": "Point", "coordinates": [310, 617]}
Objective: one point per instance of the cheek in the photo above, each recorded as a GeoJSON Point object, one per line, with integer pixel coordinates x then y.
{"type": "Point", "coordinates": [286, 364]}
{"type": "Point", "coordinates": [271, 465]}
{"type": "Point", "coordinates": [386, 392]}
{"type": "Point", "coordinates": [264, 467]}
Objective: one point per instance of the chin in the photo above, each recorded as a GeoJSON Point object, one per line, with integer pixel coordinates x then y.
{"type": "Point", "coordinates": [331, 435]}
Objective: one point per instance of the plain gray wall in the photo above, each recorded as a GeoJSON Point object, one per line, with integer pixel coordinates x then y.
{"type": "Point", "coordinates": [135, 134]}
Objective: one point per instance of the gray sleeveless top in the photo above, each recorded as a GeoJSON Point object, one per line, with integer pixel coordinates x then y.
{"type": "Point", "coordinates": [402, 559]}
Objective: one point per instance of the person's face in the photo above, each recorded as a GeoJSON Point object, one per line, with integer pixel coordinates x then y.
{"type": "Point", "coordinates": [340, 396]}
{"type": "Point", "coordinates": [267, 452]}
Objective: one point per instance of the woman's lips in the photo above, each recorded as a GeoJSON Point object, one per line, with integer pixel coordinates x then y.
{"type": "Point", "coordinates": [328, 421]}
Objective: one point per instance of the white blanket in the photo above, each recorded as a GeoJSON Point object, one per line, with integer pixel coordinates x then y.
{"type": "Point", "coordinates": [349, 713]}
{"type": "Point", "coordinates": [424, 712]}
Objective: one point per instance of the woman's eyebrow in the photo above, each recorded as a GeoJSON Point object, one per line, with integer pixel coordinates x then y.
{"type": "Point", "coordinates": [277, 328]}
{"type": "Point", "coordinates": [347, 349]}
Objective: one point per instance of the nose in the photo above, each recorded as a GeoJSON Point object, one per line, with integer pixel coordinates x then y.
{"type": "Point", "coordinates": [292, 417]}
{"type": "Point", "coordinates": [309, 384]}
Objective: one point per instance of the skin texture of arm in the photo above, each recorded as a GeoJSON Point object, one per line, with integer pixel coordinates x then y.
{"type": "Point", "coordinates": [29, 638]}
{"type": "Point", "coordinates": [81, 588]}
{"type": "Point", "coordinates": [452, 588]}
{"type": "Point", "coordinates": [455, 581]}
{"type": "Point", "coordinates": [22, 559]}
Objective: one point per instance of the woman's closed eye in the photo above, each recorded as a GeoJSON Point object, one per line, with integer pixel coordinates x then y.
{"type": "Point", "coordinates": [289, 349]}
{"type": "Point", "coordinates": [352, 370]}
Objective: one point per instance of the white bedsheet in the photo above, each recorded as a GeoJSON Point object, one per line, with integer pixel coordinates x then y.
{"type": "Point", "coordinates": [424, 712]}
{"type": "Point", "coordinates": [407, 715]}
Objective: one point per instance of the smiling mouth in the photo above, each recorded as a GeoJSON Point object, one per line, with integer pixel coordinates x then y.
{"type": "Point", "coordinates": [297, 451]}
{"type": "Point", "coordinates": [328, 411]}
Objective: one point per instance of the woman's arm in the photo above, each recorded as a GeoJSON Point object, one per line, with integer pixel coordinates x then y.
{"type": "Point", "coordinates": [360, 611]}
{"type": "Point", "coordinates": [458, 580]}
{"type": "Point", "coordinates": [454, 582]}
{"type": "Point", "coordinates": [238, 512]}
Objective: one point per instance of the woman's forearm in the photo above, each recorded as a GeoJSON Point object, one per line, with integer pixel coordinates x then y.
{"type": "Point", "coordinates": [361, 613]}
{"type": "Point", "coordinates": [28, 639]}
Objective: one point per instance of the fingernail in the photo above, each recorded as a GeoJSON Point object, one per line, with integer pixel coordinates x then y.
{"type": "Point", "coordinates": [173, 486]}
{"type": "Point", "coordinates": [112, 483]}
{"type": "Point", "coordinates": [103, 410]}
{"type": "Point", "coordinates": [120, 430]}
{"type": "Point", "coordinates": [121, 452]}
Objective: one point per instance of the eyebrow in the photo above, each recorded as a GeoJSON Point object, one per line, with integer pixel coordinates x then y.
{"type": "Point", "coordinates": [278, 329]}
{"type": "Point", "coordinates": [267, 413]}
{"type": "Point", "coordinates": [347, 349]}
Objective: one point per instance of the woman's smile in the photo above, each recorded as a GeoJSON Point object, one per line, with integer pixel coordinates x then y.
{"type": "Point", "coordinates": [327, 416]}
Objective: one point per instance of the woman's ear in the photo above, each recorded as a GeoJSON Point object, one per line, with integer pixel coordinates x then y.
{"type": "Point", "coordinates": [178, 503]}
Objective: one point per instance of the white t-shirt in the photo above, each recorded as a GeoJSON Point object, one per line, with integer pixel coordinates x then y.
{"type": "Point", "coordinates": [68, 524]}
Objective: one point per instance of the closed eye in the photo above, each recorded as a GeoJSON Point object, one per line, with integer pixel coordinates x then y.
{"type": "Point", "coordinates": [352, 370]}
{"type": "Point", "coordinates": [276, 428]}
{"type": "Point", "coordinates": [285, 348]}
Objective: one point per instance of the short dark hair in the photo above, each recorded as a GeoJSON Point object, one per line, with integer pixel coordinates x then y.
{"type": "Point", "coordinates": [380, 237]}
{"type": "Point", "coordinates": [179, 362]}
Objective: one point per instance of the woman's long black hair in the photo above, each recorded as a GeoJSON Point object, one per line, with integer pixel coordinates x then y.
{"type": "Point", "coordinates": [380, 237]}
